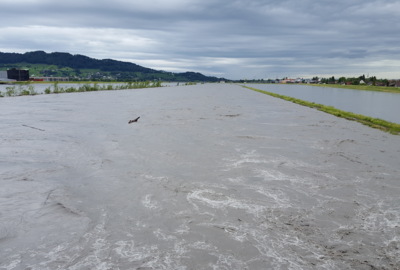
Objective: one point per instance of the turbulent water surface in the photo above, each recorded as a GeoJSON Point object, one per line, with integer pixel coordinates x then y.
{"type": "Point", "coordinates": [212, 176]}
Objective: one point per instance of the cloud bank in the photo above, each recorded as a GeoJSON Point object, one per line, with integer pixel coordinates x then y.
{"type": "Point", "coordinates": [236, 39]}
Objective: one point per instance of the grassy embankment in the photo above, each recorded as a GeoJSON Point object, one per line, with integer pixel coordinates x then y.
{"type": "Point", "coordinates": [362, 87]}
{"type": "Point", "coordinates": [390, 127]}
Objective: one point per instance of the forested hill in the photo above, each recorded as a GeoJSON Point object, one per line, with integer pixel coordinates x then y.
{"type": "Point", "coordinates": [78, 66]}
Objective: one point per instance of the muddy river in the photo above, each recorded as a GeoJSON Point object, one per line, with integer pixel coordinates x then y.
{"type": "Point", "coordinates": [211, 176]}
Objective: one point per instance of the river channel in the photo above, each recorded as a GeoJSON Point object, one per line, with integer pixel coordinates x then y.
{"type": "Point", "coordinates": [212, 176]}
{"type": "Point", "coordinates": [370, 103]}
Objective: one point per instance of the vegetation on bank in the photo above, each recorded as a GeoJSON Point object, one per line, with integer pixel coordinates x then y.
{"type": "Point", "coordinates": [19, 90]}
{"type": "Point", "coordinates": [390, 127]}
{"type": "Point", "coordinates": [369, 83]}
{"type": "Point", "coordinates": [361, 80]}
{"type": "Point", "coordinates": [362, 87]}
{"type": "Point", "coordinates": [25, 89]}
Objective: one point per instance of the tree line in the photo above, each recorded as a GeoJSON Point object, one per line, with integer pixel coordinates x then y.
{"type": "Point", "coordinates": [372, 80]}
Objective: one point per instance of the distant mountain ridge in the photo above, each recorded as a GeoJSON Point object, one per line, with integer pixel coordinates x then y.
{"type": "Point", "coordinates": [83, 67]}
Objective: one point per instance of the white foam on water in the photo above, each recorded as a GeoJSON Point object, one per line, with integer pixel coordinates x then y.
{"type": "Point", "coordinates": [254, 158]}
{"type": "Point", "coordinates": [15, 261]}
{"type": "Point", "coordinates": [235, 179]}
{"type": "Point", "coordinates": [163, 236]}
{"type": "Point", "coordinates": [393, 248]}
{"type": "Point", "coordinates": [279, 249]}
{"type": "Point", "coordinates": [150, 203]}
{"type": "Point", "coordinates": [129, 251]}
{"type": "Point", "coordinates": [376, 218]}
{"type": "Point", "coordinates": [183, 228]}
{"type": "Point", "coordinates": [96, 248]}
{"type": "Point", "coordinates": [238, 233]}
{"type": "Point", "coordinates": [227, 261]}
{"type": "Point", "coordinates": [180, 248]}
{"type": "Point", "coordinates": [213, 199]}
{"type": "Point", "coordinates": [150, 256]}
{"type": "Point", "coordinates": [201, 245]}
{"type": "Point", "coordinates": [155, 178]}
{"type": "Point", "coordinates": [250, 157]}
{"type": "Point", "coordinates": [90, 252]}
{"type": "Point", "coordinates": [279, 198]}
{"type": "Point", "coordinates": [237, 163]}
{"type": "Point", "coordinates": [272, 175]}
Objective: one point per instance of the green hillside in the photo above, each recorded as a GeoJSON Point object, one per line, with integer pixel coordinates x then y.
{"type": "Point", "coordinates": [80, 67]}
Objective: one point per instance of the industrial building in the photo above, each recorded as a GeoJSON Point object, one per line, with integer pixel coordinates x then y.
{"type": "Point", "coordinates": [14, 74]}
{"type": "Point", "coordinates": [18, 74]}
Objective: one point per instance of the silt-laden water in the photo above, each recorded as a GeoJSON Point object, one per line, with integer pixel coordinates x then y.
{"type": "Point", "coordinates": [212, 176]}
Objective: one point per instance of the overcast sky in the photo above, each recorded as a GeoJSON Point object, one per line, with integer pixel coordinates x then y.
{"type": "Point", "coordinates": [235, 39]}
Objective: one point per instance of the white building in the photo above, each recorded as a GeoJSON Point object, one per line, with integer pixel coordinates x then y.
{"type": "Point", "coordinates": [4, 76]}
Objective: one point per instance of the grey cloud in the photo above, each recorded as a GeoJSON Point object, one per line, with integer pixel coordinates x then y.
{"type": "Point", "coordinates": [281, 37]}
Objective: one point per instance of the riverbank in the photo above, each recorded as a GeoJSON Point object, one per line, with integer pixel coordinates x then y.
{"type": "Point", "coordinates": [211, 176]}
{"type": "Point", "coordinates": [387, 126]}
{"type": "Point", "coordinates": [362, 87]}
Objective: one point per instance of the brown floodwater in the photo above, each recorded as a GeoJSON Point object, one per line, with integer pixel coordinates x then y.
{"type": "Point", "coordinates": [211, 176]}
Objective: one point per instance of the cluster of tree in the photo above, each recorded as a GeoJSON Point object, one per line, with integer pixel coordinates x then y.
{"type": "Point", "coordinates": [353, 80]}
{"type": "Point", "coordinates": [106, 68]}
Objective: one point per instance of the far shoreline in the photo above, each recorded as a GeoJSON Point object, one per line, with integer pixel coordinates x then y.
{"type": "Point", "coordinates": [387, 89]}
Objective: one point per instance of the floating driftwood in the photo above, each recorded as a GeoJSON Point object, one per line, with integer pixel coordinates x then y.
{"type": "Point", "coordinates": [33, 127]}
{"type": "Point", "coordinates": [134, 120]}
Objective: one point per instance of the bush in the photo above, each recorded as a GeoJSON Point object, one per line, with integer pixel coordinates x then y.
{"type": "Point", "coordinates": [31, 90]}
{"type": "Point", "coordinates": [70, 90]}
{"type": "Point", "coordinates": [25, 93]}
{"type": "Point", "coordinates": [10, 91]}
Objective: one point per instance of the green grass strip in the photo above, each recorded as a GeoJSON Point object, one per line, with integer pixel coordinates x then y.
{"type": "Point", "coordinates": [362, 87]}
{"type": "Point", "coordinates": [390, 127]}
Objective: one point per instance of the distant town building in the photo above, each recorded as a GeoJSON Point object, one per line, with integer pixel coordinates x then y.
{"type": "Point", "coordinates": [18, 74]}
{"type": "Point", "coordinates": [288, 80]}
